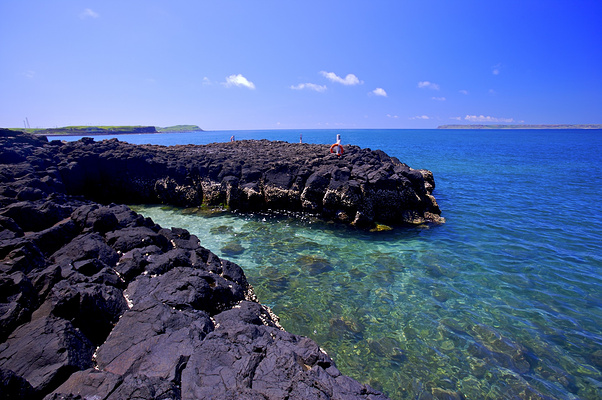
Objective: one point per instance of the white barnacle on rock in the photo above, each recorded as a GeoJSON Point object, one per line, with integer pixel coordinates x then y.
{"type": "Point", "coordinates": [275, 318]}
{"type": "Point", "coordinates": [94, 358]}
{"type": "Point", "coordinates": [250, 294]}
{"type": "Point", "coordinates": [128, 301]}
{"type": "Point", "coordinates": [264, 320]}
{"type": "Point", "coordinates": [120, 276]}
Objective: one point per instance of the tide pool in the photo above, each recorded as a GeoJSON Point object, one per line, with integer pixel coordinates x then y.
{"type": "Point", "coordinates": [503, 301]}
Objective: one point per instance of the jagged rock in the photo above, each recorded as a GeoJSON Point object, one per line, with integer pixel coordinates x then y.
{"type": "Point", "coordinates": [247, 356]}
{"type": "Point", "coordinates": [124, 240]}
{"type": "Point", "coordinates": [12, 386]}
{"type": "Point", "coordinates": [18, 300]}
{"type": "Point", "coordinates": [92, 308]}
{"type": "Point", "coordinates": [254, 175]}
{"type": "Point", "coordinates": [161, 263]}
{"type": "Point", "coordinates": [153, 339]}
{"type": "Point", "coordinates": [36, 215]}
{"type": "Point", "coordinates": [51, 239]}
{"type": "Point", "coordinates": [87, 384]}
{"type": "Point", "coordinates": [95, 218]}
{"type": "Point", "coordinates": [85, 247]}
{"type": "Point", "coordinates": [10, 229]}
{"type": "Point", "coordinates": [187, 289]}
{"type": "Point", "coordinates": [45, 352]}
{"type": "Point", "coordinates": [144, 387]}
{"type": "Point", "coordinates": [22, 255]}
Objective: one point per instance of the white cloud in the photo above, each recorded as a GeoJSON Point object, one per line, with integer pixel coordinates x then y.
{"type": "Point", "coordinates": [482, 118]}
{"type": "Point", "coordinates": [379, 92]}
{"type": "Point", "coordinates": [206, 81]}
{"type": "Point", "coordinates": [239, 80]}
{"type": "Point", "coordinates": [495, 70]}
{"type": "Point", "coordinates": [464, 92]}
{"type": "Point", "coordinates": [88, 13]}
{"type": "Point", "coordinates": [349, 80]}
{"type": "Point", "coordinates": [421, 117]}
{"type": "Point", "coordinates": [439, 98]}
{"type": "Point", "coordinates": [310, 86]}
{"type": "Point", "coordinates": [392, 116]}
{"type": "Point", "coordinates": [456, 118]}
{"type": "Point", "coordinates": [29, 74]}
{"type": "Point", "coordinates": [428, 85]}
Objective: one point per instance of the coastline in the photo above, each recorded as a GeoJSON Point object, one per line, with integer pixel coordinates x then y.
{"type": "Point", "coordinates": [69, 254]}
{"type": "Point", "coordinates": [542, 127]}
{"type": "Point", "coordinates": [106, 130]}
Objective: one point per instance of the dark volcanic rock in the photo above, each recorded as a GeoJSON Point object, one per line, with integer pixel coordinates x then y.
{"type": "Point", "coordinates": [247, 356]}
{"type": "Point", "coordinates": [88, 384]}
{"type": "Point", "coordinates": [18, 300]}
{"type": "Point", "coordinates": [45, 352]}
{"type": "Point", "coordinates": [360, 187]}
{"type": "Point", "coordinates": [153, 339]}
{"type": "Point", "coordinates": [97, 301]}
{"type": "Point", "coordinates": [12, 386]}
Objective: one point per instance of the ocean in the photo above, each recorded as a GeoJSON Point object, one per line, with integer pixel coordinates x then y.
{"type": "Point", "coordinates": [503, 301]}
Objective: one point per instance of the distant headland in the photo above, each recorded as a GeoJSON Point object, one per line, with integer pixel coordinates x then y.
{"type": "Point", "coordinates": [110, 130]}
{"type": "Point", "coordinates": [580, 126]}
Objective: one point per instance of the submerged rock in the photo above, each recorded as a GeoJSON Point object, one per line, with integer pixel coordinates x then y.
{"type": "Point", "coordinates": [314, 265]}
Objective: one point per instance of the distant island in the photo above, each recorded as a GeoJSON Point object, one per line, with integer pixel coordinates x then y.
{"type": "Point", "coordinates": [109, 130]}
{"type": "Point", "coordinates": [580, 126]}
{"type": "Point", "coordinates": [179, 128]}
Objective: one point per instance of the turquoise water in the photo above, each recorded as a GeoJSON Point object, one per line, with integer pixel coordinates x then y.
{"type": "Point", "coordinates": [503, 301]}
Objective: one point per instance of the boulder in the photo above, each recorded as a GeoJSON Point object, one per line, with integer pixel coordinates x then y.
{"type": "Point", "coordinates": [187, 289]}
{"type": "Point", "coordinates": [85, 247]}
{"type": "Point", "coordinates": [45, 352]}
{"type": "Point", "coordinates": [153, 339]}
{"type": "Point", "coordinates": [91, 307]}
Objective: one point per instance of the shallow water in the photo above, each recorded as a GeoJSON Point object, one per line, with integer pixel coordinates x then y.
{"type": "Point", "coordinates": [502, 301]}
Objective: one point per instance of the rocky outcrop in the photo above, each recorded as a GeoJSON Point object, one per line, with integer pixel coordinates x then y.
{"type": "Point", "coordinates": [360, 187]}
{"type": "Point", "coordinates": [99, 302]}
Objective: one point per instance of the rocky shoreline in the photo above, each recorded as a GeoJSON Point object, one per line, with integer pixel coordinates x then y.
{"type": "Point", "coordinates": [361, 187]}
{"type": "Point", "coordinates": [97, 301]}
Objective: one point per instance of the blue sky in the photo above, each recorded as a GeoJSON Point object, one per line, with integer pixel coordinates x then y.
{"type": "Point", "coordinates": [268, 64]}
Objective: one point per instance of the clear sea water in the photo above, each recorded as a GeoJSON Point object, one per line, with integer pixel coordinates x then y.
{"type": "Point", "coordinates": [503, 301]}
